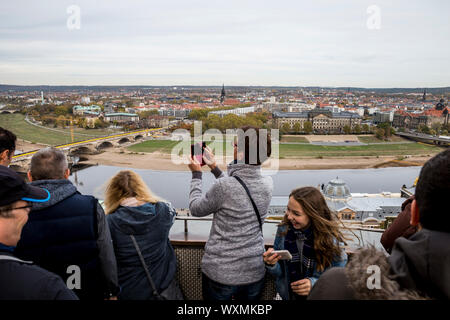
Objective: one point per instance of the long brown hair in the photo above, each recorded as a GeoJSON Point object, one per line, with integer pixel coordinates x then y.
{"type": "Point", "coordinates": [324, 224]}
{"type": "Point", "coordinates": [126, 184]}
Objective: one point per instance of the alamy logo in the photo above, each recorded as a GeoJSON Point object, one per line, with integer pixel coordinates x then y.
{"type": "Point", "coordinates": [374, 20]}
{"type": "Point", "coordinates": [374, 281]}
{"type": "Point", "coordinates": [74, 280]}
{"type": "Point", "coordinates": [74, 20]}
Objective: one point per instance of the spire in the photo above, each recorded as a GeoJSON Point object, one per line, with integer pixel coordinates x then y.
{"type": "Point", "coordinates": [222, 95]}
{"type": "Point", "coordinates": [424, 94]}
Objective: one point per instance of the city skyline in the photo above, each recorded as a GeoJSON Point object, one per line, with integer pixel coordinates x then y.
{"type": "Point", "coordinates": [326, 44]}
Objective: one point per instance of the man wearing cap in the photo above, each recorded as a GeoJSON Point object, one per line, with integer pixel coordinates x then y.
{"type": "Point", "coordinates": [19, 279]}
{"type": "Point", "coordinates": [68, 235]}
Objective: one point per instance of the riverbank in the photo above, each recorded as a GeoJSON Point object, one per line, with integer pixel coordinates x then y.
{"type": "Point", "coordinates": [162, 161]}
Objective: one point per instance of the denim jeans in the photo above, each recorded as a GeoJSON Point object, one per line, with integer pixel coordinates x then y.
{"type": "Point", "coordinates": [214, 291]}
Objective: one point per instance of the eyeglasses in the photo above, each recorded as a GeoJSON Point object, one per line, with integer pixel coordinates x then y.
{"type": "Point", "coordinates": [17, 208]}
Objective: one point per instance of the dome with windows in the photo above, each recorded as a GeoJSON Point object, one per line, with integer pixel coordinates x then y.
{"type": "Point", "coordinates": [336, 189]}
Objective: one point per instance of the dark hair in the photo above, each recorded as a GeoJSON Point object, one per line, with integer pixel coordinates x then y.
{"type": "Point", "coordinates": [432, 190]}
{"type": "Point", "coordinates": [48, 164]}
{"type": "Point", "coordinates": [251, 137]}
{"type": "Point", "coordinates": [7, 140]}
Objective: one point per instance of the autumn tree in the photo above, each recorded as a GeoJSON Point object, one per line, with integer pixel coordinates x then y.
{"type": "Point", "coordinates": [307, 127]}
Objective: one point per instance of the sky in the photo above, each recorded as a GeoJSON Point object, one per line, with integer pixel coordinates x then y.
{"type": "Point", "coordinates": [372, 44]}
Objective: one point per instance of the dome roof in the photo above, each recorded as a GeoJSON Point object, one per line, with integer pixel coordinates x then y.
{"type": "Point", "coordinates": [336, 189]}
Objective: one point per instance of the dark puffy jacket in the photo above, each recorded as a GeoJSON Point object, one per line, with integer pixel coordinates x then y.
{"type": "Point", "coordinates": [150, 224]}
{"type": "Point", "coordinates": [71, 230]}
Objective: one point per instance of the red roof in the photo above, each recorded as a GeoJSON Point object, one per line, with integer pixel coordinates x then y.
{"type": "Point", "coordinates": [433, 113]}
{"type": "Point", "coordinates": [231, 102]}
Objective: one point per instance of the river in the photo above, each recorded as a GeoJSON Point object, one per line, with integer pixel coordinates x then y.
{"type": "Point", "coordinates": [174, 187]}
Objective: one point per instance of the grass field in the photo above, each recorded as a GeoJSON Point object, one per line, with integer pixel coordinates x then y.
{"type": "Point", "coordinates": [309, 150]}
{"type": "Point", "coordinates": [300, 150]}
{"type": "Point", "coordinates": [163, 146]}
{"type": "Point", "coordinates": [23, 130]}
{"type": "Point", "coordinates": [373, 139]}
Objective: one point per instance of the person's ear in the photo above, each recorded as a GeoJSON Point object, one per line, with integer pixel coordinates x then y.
{"type": "Point", "coordinates": [30, 178]}
{"type": "Point", "coordinates": [415, 215]}
{"type": "Point", "coordinates": [67, 173]}
{"type": "Point", "coordinates": [4, 155]}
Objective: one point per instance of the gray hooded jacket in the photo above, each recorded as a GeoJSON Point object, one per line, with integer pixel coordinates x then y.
{"type": "Point", "coordinates": [233, 253]}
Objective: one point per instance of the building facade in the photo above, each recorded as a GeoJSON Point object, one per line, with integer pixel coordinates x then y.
{"type": "Point", "coordinates": [321, 120]}
{"type": "Point", "coordinates": [121, 117]}
{"type": "Point", "coordinates": [80, 110]}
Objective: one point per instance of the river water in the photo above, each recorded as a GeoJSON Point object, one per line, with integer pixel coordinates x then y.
{"type": "Point", "coordinates": [174, 187]}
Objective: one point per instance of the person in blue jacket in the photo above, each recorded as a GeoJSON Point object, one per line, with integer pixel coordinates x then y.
{"type": "Point", "coordinates": [132, 209]}
{"type": "Point", "coordinates": [310, 232]}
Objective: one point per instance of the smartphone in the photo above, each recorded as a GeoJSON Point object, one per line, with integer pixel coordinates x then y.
{"type": "Point", "coordinates": [197, 151]}
{"type": "Point", "coordinates": [284, 254]}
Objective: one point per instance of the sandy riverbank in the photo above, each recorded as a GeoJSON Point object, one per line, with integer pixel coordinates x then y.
{"type": "Point", "coordinates": [159, 161]}
{"type": "Point", "coordinates": [26, 146]}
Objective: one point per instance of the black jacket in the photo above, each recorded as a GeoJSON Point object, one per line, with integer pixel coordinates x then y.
{"type": "Point", "coordinates": [418, 268]}
{"type": "Point", "coordinates": [71, 230]}
{"type": "Point", "coordinates": [21, 280]}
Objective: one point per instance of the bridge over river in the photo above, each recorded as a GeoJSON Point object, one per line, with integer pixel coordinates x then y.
{"type": "Point", "coordinates": [21, 161]}
{"type": "Point", "coordinates": [425, 138]}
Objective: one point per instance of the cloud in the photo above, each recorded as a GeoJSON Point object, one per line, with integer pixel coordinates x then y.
{"type": "Point", "coordinates": [240, 42]}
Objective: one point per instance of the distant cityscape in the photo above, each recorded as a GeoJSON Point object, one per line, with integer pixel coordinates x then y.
{"type": "Point", "coordinates": [312, 110]}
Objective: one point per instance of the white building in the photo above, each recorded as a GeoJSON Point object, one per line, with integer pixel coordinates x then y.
{"type": "Point", "coordinates": [237, 111]}
{"type": "Point", "coordinates": [85, 100]}
{"type": "Point", "coordinates": [364, 208]}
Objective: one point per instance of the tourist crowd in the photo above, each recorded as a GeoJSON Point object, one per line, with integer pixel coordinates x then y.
{"type": "Point", "coordinates": [58, 244]}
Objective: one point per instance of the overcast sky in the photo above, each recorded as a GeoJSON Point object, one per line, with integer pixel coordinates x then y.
{"type": "Point", "coordinates": [209, 42]}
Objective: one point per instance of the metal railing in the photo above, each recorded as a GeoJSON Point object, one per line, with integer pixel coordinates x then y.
{"type": "Point", "coordinates": [270, 220]}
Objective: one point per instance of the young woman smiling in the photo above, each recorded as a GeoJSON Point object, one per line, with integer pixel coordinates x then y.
{"type": "Point", "coordinates": [310, 232]}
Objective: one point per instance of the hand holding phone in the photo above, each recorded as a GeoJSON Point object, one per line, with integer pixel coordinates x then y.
{"type": "Point", "coordinates": [284, 254]}
{"type": "Point", "coordinates": [197, 151]}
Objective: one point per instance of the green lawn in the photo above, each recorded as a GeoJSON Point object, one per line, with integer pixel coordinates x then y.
{"type": "Point", "coordinates": [309, 150]}
{"type": "Point", "coordinates": [372, 139]}
{"type": "Point", "coordinates": [23, 130]}
{"type": "Point", "coordinates": [163, 146]}
{"type": "Point", "coordinates": [299, 150]}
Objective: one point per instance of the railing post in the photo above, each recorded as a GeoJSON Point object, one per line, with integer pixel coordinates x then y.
{"type": "Point", "coordinates": [185, 226]}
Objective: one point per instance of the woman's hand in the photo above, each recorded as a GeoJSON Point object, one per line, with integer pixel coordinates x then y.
{"type": "Point", "coordinates": [270, 258]}
{"type": "Point", "coordinates": [301, 287]}
{"type": "Point", "coordinates": [208, 158]}
{"type": "Point", "coordinates": [194, 165]}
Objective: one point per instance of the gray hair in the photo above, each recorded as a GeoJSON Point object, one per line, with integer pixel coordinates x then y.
{"type": "Point", "coordinates": [48, 164]}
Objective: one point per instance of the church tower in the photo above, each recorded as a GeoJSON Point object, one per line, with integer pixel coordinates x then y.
{"type": "Point", "coordinates": [222, 95]}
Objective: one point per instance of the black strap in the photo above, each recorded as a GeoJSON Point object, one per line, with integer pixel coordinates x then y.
{"type": "Point", "coordinates": [299, 242]}
{"type": "Point", "coordinates": [150, 280]}
{"type": "Point", "coordinates": [251, 199]}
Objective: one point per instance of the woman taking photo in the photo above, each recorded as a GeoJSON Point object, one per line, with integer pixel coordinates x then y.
{"type": "Point", "coordinates": [310, 232]}
{"type": "Point", "coordinates": [140, 221]}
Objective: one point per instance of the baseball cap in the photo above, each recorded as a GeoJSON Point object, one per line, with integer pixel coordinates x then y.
{"type": "Point", "coordinates": [14, 188]}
